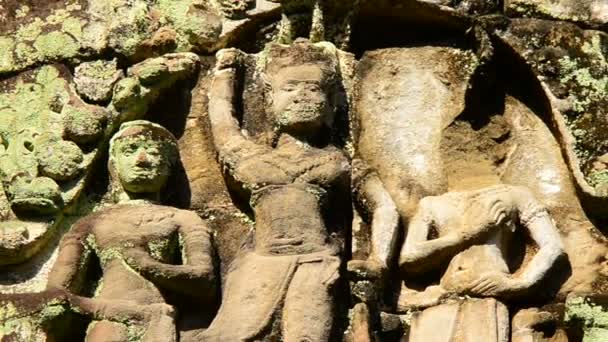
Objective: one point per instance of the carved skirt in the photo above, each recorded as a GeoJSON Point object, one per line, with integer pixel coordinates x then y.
{"type": "Point", "coordinates": [468, 320]}
{"type": "Point", "coordinates": [256, 289]}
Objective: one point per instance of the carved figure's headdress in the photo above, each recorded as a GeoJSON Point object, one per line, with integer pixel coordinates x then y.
{"type": "Point", "coordinates": [302, 51]}
{"type": "Point", "coordinates": [147, 129]}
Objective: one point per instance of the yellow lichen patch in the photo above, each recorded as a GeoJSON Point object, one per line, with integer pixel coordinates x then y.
{"type": "Point", "coordinates": [7, 46]}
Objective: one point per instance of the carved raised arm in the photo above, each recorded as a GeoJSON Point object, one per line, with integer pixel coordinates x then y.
{"type": "Point", "coordinates": [230, 144]}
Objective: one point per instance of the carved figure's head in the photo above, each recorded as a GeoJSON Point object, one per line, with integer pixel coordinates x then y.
{"type": "Point", "coordinates": [142, 155]}
{"type": "Point", "coordinates": [302, 80]}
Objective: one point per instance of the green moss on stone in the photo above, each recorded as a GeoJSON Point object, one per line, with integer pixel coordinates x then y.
{"type": "Point", "coordinates": [56, 45]}
{"type": "Point", "coordinates": [153, 71]}
{"type": "Point", "coordinates": [82, 125]}
{"type": "Point", "coordinates": [128, 96]}
{"type": "Point", "coordinates": [591, 89]}
{"type": "Point", "coordinates": [544, 9]}
{"type": "Point", "coordinates": [595, 335]}
{"type": "Point", "coordinates": [59, 159]}
{"type": "Point", "coordinates": [7, 310]}
{"type": "Point", "coordinates": [131, 28]}
{"type": "Point", "coordinates": [589, 314]}
{"type": "Point", "coordinates": [597, 178]}
{"type": "Point", "coordinates": [192, 26]}
{"type": "Point", "coordinates": [22, 11]}
{"type": "Point", "coordinates": [50, 312]}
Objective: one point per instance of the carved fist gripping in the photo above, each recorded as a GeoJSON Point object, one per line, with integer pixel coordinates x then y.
{"type": "Point", "coordinates": [370, 269]}
{"type": "Point", "coordinates": [228, 59]}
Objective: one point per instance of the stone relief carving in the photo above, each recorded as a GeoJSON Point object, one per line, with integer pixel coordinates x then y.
{"type": "Point", "coordinates": [303, 170]}
{"type": "Point", "coordinates": [474, 230]}
{"type": "Point", "coordinates": [287, 185]}
{"type": "Point", "coordinates": [137, 241]}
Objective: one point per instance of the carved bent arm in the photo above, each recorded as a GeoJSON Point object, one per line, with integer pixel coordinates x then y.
{"type": "Point", "coordinates": [420, 255]}
{"type": "Point", "coordinates": [230, 144]}
{"type": "Point", "coordinates": [194, 280]}
{"type": "Point", "coordinates": [196, 277]}
{"type": "Point", "coordinates": [371, 193]}
{"type": "Point", "coordinates": [545, 235]}
{"type": "Point", "coordinates": [428, 255]}
{"type": "Point", "coordinates": [196, 240]}
{"type": "Point", "coordinates": [198, 251]}
{"type": "Point", "coordinates": [72, 261]}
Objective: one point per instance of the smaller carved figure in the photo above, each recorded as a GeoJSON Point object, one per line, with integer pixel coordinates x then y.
{"type": "Point", "coordinates": [473, 230]}
{"type": "Point", "coordinates": [138, 243]}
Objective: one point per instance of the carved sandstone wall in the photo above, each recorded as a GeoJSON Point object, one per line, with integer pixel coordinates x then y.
{"type": "Point", "coordinates": [303, 170]}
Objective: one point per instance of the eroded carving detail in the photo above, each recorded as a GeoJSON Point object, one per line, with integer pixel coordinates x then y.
{"type": "Point", "coordinates": [138, 242]}
{"type": "Point", "coordinates": [476, 200]}
{"type": "Point", "coordinates": [288, 184]}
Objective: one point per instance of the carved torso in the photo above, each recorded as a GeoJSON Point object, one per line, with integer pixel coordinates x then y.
{"type": "Point", "coordinates": [499, 208]}
{"type": "Point", "coordinates": [150, 228]}
{"type": "Point", "coordinates": [288, 185]}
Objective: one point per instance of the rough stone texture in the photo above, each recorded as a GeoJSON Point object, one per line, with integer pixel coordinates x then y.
{"type": "Point", "coordinates": [348, 170]}
{"type": "Point", "coordinates": [571, 65]}
{"type": "Point", "coordinates": [95, 80]}
{"type": "Point", "coordinates": [588, 12]}
{"type": "Point", "coordinates": [588, 313]}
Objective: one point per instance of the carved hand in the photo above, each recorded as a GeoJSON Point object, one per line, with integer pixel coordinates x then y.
{"type": "Point", "coordinates": [228, 58]}
{"type": "Point", "coordinates": [416, 300]}
{"type": "Point", "coordinates": [370, 269]}
{"type": "Point", "coordinates": [494, 284]}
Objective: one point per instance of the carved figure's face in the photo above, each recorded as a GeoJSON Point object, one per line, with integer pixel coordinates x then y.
{"type": "Point", "coordinates": [300, 100]}
{"type": "Point", "coordinates": [143, 164]}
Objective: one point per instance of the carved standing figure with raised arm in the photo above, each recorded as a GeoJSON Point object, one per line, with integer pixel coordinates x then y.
{"type": "Point", "coordinates": [285, 285]}
{"type": "Point", "coordinates": [474, 230]}
{"type": "Point", "coordinates": [136, 242]}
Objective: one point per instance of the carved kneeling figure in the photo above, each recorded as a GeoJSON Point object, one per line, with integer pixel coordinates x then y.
{"type": "Point", "coordinates": [134, 241]}
{"type": "Point", "coordinates": [473, 230]}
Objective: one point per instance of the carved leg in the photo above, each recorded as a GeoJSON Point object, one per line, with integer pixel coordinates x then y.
{"type": "Point", "coordinates": [308, 310]}
{"type": "Point", "coordinates": [484, 320]}
{"type": "Point", "coordinates": [161, 328]}
{"type": "Point", "coordinates": [467, 321]}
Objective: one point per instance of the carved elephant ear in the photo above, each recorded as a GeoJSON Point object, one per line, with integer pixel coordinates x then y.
{"type": "Point", "coordinates": [406, 97]}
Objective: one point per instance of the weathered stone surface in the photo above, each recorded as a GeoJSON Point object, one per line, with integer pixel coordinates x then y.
{"type": "Point", "coordinates": [420, 170]}
{"type": "Point", "coordinates": [571, 63]}
{"type": "Point", "coordinates": [68, 31]}
{"type": "Point", "coordinates": [588, 313]}
{"type": "Point", "coordinates": [95, 80]}
{"type": "Point", "coordinates": [588, 12]}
